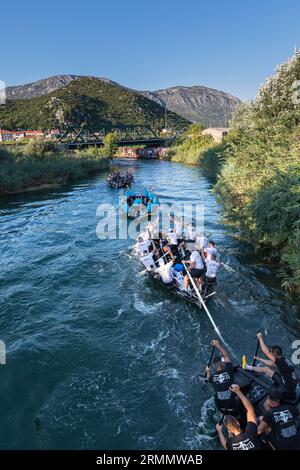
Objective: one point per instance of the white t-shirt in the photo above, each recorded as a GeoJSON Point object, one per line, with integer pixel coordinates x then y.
{"type": "Point", "coordinates": [173, 238]}
{"type": "Point", "coordinates": [143, 246]}
{"type": "Point", "coordinates": [210, 251]}
{"type": "Point", "coordinates": [145, 235]}
{"type": "Point", "coordinates": [196, 258]}
{"type": "Point", "coordinates": [178, 229]}
{"type": "Point", "coordinates": [165, 272]}
{"type": "Point", "coordinates": [191, 233]}
{"type": "Point", "coordinates": [148, 261]}
{"type": "Point", "coordinates": [202, 242]}
{"type": "Point", "coordinates": [212, 267]}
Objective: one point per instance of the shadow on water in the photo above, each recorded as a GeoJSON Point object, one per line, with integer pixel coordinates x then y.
{"type": "Point", "coordinates": [92, 347]}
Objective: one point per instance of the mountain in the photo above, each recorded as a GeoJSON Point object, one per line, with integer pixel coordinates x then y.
{"type": "Point", "coordinates": [195, 103]}
{"type": "Point", "coordinates": [44, 86]}
{"type": "Point", "coordinates": [97, 102]}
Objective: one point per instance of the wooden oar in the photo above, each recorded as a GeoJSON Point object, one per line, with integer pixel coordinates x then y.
{"type": "Point", "coordinates": [209, 362]}
{"type": "Point", "coordinates": [256, 352]}
{"type": "Point", "coordinates": [204, 305]}
{"type": "Point", "coordinates": [227, 267]}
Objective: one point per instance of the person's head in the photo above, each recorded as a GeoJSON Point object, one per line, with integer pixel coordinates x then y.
{"type": "Point", "coordinates": [145, 252]}
{"type": "Point", "coordinates": [232, 425]}
{"type": "Point", "coordinates": [140, 239]}
{"type": "Point", "coordinates": [274, 397]}
{"type": "Point", "coordinates": [211, 243]}
{"type": "Point", "coordinates": [276, 351]}
{"type": "Point", "coordinates": [213, 256]}
{"type": "Point", "coordinates": [218, 363]}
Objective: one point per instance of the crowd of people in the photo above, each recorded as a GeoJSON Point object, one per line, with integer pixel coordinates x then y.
{"type": "Point", "coordinates": [176, 257]}
{"type": "Point", "coordinates": [277, 426]}
{"type": "Point", "coordinates": [116, 180]}
{"type": "Point", "coordinates": [141, 197]}
{"type": "Point", "coordinates": [179, 255]}
{"type": "Point", "coordinates": [141, 152]}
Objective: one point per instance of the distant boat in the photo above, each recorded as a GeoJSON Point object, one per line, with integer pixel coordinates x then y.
{"type": "Point", "coordinates": [116, 181]}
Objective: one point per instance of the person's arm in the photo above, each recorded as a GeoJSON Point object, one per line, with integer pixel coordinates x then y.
{"type": "Point", "coordinates": [221, 435]}
{"type": "Point", "coordinates": [171, 254]}
{"type": "Point", "coordinates": [267, 362]}
{"type": "Point", "coordinates": [223, 351]}
{"type": "Point", "coordinates": [207, 373]}
{"type": "Point", "coordinates": [265, 348]}
{"type": "Point", "coordinates": [263, 428]}
{"type": "Point", "coordinates": [251, 417]}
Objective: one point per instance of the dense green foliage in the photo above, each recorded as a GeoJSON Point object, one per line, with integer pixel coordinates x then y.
{"type": "Point", "coordinates": [40, 163]}
{"type": "Point", "coordinates": [110, 144]}
{"type": "Point", "coordinates": [87, 101]}
{"type": "Point", "coordinates": [259, 183]}
{"type": "Point", "coordinates": [190, 147]}
{"type": "Point", "coordinates": [257, 168]}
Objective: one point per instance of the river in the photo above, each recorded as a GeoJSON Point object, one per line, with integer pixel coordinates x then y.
{"type": "Point", "coordinates": [100, 357]}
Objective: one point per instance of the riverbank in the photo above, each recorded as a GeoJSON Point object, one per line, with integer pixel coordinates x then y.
{"type": "Point", "coordinates": [256, 170]}
{"type": "Point", "coordinates": [41, 165]}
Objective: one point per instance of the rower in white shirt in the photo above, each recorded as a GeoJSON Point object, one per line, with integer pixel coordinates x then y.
{"type": "Point", "coordinates": [212, 267]}
{"type": "Point", "coordinates": [165, 273]}
{"type": "Point", "coordinates": [172, 238]}
{"type": "Point", "coordinates": [191, 234]}
{"type": "Point", "coordinates": [142, 246]}
{"type": "Point", "coordinates": [201, 242]}
{"type": "Point", "coordinates": [196, 268]}
{"type": "Point", "coordinates": [210, 250]}
{"type": "Point", "coordinates": [148, 260]}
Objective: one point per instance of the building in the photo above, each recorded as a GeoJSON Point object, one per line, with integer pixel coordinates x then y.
{"type": "Point", "coordinates": [31, 134]}
{"type": "Point", "coordinates": [217, 133]}
{"type": "Point", "coordinates": [18, 135]}
{"type": "Point", "coordinates": [6, 136]}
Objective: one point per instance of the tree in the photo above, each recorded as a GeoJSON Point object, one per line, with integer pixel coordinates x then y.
{"type": "Point", "coordinates": [110, 144]}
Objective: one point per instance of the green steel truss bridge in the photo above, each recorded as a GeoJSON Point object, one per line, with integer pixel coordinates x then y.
{"type": "Point", "coordinates": [84, 136]}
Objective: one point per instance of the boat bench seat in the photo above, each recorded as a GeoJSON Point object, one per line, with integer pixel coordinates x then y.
{"type": "Point", "coordinates": [242, 381]}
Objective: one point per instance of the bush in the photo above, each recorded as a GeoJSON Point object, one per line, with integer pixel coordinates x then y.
{"type": "Point", "coordinates": [22, 170]}
{"type": "Point", "coordinates": [40, 148]}
{"type": "Point", "coordinates": [259, 182]}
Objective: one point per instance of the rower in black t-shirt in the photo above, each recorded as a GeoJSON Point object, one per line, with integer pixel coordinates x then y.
{"type": "Point", "coordinates": [278, 368]}
{"type": "Point", "coordinates": [279, 424]}
{"type": "Point", "coordinates": [239, 439]}
{"type": "Point", "coordinates": [221, 380]}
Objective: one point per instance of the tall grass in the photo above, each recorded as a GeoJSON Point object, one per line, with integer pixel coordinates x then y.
{"type": "Point", "coordinates": [41, 163]}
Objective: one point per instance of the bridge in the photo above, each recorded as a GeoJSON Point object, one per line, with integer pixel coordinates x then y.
{"type": "Point", "coordinates": [84, 136]}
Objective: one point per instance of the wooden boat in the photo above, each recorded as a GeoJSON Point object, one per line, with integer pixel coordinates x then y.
{"type": "Point", "coordinates": [117, 181]}
{"type": "Point", "coordinates": [207, 292]}
{"type": "Point", "coordinates": [140, 203]}
{"type": "Point", "coordinates": [256, 388]}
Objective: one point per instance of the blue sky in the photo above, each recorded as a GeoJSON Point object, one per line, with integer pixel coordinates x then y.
{"type": "Point", "coordinates": [229, 45]}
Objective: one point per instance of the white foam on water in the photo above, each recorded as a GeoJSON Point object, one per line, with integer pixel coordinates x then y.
{"type": "Point", "coordinates": [146, 309]}
{"type": "Point", "coordinates": [170, 373]}
{"type": "Point", "coordinates": [118, 314]}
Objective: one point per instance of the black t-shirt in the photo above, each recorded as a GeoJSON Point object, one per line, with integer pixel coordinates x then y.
{"type": "Point", "coordinates": [283, 423]}
{"type": "Point", "coordinates": [245, 440]}
{"type": "Point", "coordinates": [287, 372]}
{"type": "Point", "coordinates": [221, 381]}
